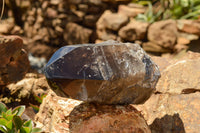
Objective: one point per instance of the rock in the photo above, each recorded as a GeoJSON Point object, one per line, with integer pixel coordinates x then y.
{"type": "Point", "coordinates": [90, 20]}
{"type": "Point", "coordinates": [188, 36]}
{"type": "Point", "coordinates": [162, 62]}
{"type": "Point", "coordinates": [41, 50]}
{"type": "Point", "coordinates": [115, 1]}
{"type": "Point", "coordinates": [112, 21]}
{"type": "Point", "coordinates": [189, 26]}
{"type": "Point", "coordinates": [105, 34]}
{"type": "Point", "coordinates": [46, 21]}
{"type": "Point", "coordinates": [163, 33]}
{"type": "Point", "coordinates": [172, 113]}
{"type": "Point", "coordinates": [63, 115]}
{"type": "Point", "coordinates": [109, 73]}
{"type": "Point", "coordinates": [55, 2]}
{"type": "Point", "coordinates": [152, 47]}
{"type": "Point", "coordinates": [7, 26]}
{"type": "Point", "coordinates": [51, 13]}
{"type": "Point", "coordinates": [75, 34]}
{"type": "Point", "coordinates": [32, 85]}
{"type": "Point", "coordinates": [180, 77]}
{"type": "Point", "coordinates": [182, 41]}
{"type": "Point", "coordinates": [13, 60]}
{"type": "Point", "coordinates": [134, 30]}
{"type": "Point", "coordinates": [106, 118]}
{"type": "Point", "coordinates": [131, 11]}
{"type": "Point", "coordinates": [16, 30]}
{"type": "Point", "coordinates": [181, 44]}
{"type": "Point", "coordinates": [54, 112]}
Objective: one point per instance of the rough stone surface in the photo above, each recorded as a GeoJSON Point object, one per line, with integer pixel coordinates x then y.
{"type": "Point", "coordinates": [109, 73]}
{"type": "Point", "coordinates": [153, 47]}
{"type": "Point", "coordinates": [63, 115]}
{"type": "Point", "coordinates": [8, 27]}
{"type": "Point", "coordinates": [91, 118]}
{"type": "Point", "coordinates": [181, 77]}
{"type": "Point", "coordinates": [162, 62]}
{"type": "Point", "coordinates": [45, 20]}
{"type": "Point", "coordinates": [167, 113]}
{"type": "Point", "coordinates": [189, 26]}
{"type": "Point", "coordinates": [134, 30]}
{"type": "Point", "coordinates": [108, 23]}
{"type": "Point", "coordinates": [175, 110]}
{"type": "Point", "coordinates": [75, 34]}
{"type": "Point", "coordinates": [53, 115]}
{"type": "Point", "coordinates": [32, 85]}
{"type": "Point", "coordinates": [163, 33]}
{"type": "Point", "coordinates": [131, 11]}
{"type": "Point", "coordinates": [13, 60]}
{"type": "Point", "coordinates": [112, 21]}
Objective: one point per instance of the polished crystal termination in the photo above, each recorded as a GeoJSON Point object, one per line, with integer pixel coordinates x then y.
{"type": "Point", "coordinates": [106, 73]}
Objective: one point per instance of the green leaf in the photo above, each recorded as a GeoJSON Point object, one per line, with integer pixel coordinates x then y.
{"type": "Point", "coordinates": [3, 129]}
{"type": "Point", "coordinates": [3, 121]}
{"type": "Point", "coordinates": [3, 108]}
{"type": "Point", "coordinates": [9, 124]}
{"type": "Point", "coordinates": [19, 110]}
{"type": "Point", "coordinates": [9, 112]}
{"type": "Point", "coordinates": [18, 122]}
{"type": "Point", "coordinates": [25, 130]}
{"type": "Point", "coordinates": [36, 130]}
{"type": "Point", "coordinates": [35, 107]}
{"type": "Point", "coordinates": [28, 124]}
{"type": "Point", "coordinates": [37, 98]}
{"type": "Point", "coordinates": [8, 117]}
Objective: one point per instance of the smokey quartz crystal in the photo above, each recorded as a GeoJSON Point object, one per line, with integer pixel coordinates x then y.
{"type": "Point", "coordinates": [107, 73]}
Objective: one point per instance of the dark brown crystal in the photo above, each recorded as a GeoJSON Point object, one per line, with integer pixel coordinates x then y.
{"type": "Point", "coordinates": [107, 73]}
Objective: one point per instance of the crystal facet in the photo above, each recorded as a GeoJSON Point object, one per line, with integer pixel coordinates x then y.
{"type": "Point", "coordinates": [106, 73]}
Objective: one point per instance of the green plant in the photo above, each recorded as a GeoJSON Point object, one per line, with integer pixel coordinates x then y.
{"type": "Point", "coordinates": [39, 99]}
{"type": "Point", "coordinates": [11, 121]}
{"type": "Point", "coordinates": [169, 9]}
{"type": "Point", "coordinates": [149, 15]}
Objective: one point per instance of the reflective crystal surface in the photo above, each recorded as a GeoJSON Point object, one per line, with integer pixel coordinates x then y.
{"type": "Point", "coordinates": [106, 73]}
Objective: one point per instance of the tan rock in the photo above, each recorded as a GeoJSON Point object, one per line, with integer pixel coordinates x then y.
{"type": "Point", "coordinates": [6, 26]}
{"type": "Point", "coordinates": [76, 34]}
{"type": "Point", "coordinates": [182, 44]}
{"type": "Point", "coordinates": [64, 115]}
{"type": "Point", "coordinates": [53, 115]}
{"type": "Point", "coordinates": [41, 50]}
{"type": "Point", "coordinates": [13, 60]}
{"type": "Point", "coordinates": [134, 30]}
{"type": "Point", "coordinates": [182, 41]}
{"type": "Point", "coordinates": [51, 13]}
{"type": "Point", "coordinates": [180, 77]}
{"type": "Point", "coordinates": [153, 47]}
{"type": "Point", "coordinates": [163, 33]}
{"type": "Point", "coordinates": [105, 34]}
{"type": "Point", "coordinates": [115, 1]}
{"type": "Point", "coordinates": [189, 26]}
{"type": "Point", "coordinates": [167, 113]}
{"type": "Point", "coordinates": [31, 85]}
{"type": "Point", "coordinates": [188, 36]}
{"type": "Point", "coordinates": [112, 21]}
{"type": "Point", "coordinates": [130, 11]}
{"type": "Point", "coordinates": [162, 62]}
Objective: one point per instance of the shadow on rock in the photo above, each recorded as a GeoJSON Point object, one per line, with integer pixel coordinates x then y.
{"type": "Point", "coordinates": [168, 124]}
{"type": "Point", "coordinates": [194, 46]}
